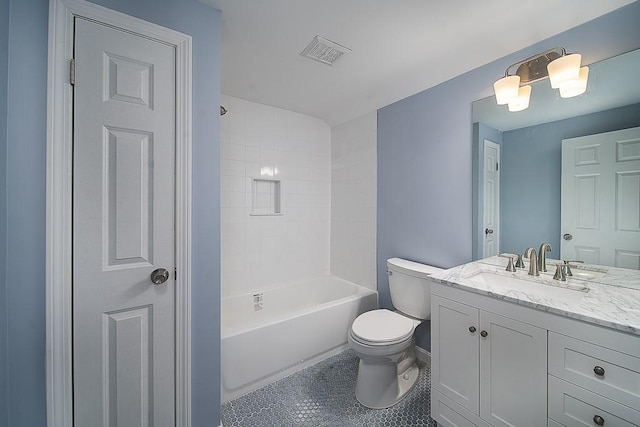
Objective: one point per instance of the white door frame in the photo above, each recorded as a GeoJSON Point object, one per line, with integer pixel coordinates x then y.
{"type": "Point", "coordinates": [59, 367]}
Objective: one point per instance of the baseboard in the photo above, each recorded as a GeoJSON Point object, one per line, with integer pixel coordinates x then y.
{"type": "Point", "coordinates": [423, 355]}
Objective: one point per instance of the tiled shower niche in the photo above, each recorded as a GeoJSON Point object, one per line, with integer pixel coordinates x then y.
{"type": "Point", "coordinates": [265, 197]}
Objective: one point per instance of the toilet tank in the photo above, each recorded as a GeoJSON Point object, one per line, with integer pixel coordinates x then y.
{"type": "Point", "coordinates": [409, 287]}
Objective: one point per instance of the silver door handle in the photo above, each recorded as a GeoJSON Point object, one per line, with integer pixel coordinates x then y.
{"type": "Point", "coordinates": [567, 236]}
{"type": "Point", "coordinates": [159, 276]}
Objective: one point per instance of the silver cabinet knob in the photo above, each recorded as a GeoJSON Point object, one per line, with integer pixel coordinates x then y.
{"type": "Point", "coordinates": [598, 420]}
{"type": "Point", "coordinates": [567, 236]}
{"type": "Point", "coordinates": [484, 334]}
{"type": "Point", "coordinates": [488, 231]}
{"type": "Point", "coordinates": [159, 276]}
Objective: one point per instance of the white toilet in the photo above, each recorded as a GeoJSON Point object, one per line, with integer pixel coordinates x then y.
{"type": "Point", "coordinates": [383, 339]}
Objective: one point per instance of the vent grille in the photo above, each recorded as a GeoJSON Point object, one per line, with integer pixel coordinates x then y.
{"type": "Point", "coordinates": [323, 50]}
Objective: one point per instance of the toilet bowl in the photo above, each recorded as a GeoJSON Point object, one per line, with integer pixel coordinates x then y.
{"type": "Point", "coordinates": [383, 339]}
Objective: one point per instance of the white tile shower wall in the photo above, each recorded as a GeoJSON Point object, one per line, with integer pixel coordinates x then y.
{"type": "Point", "coordinates": [353, 200]}
{"type": "Point", "coordinates": [259, 141]}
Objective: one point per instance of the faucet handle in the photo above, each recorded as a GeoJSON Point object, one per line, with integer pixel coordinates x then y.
{"type": "Point", "coordinates": [510, 266]}
{"type": "Point", "coordinates": [561, 272]}
{"type": "Point", "coordinates": [519, 262]}
{"type": "Point", "coordinates": [568, 268]}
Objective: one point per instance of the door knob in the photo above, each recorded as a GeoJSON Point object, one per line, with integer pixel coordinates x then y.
{"type": "Point", "coordinates": [567, 236]}
{"type": "Point", "coordinates": [488, 231]}
{"type": "Point", "coordinates": [159, 276]}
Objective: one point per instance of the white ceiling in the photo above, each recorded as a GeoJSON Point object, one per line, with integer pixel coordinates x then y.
{"type": "Point", "coordinates": [399, 48]}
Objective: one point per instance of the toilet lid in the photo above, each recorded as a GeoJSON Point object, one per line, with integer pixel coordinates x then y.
{"type": "Point", "coordinates": [382, 327]}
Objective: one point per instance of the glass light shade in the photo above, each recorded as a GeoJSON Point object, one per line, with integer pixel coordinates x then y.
{"type": "Point", "coordinates": [506, 88]}
{"type": "Point", "coordinates": [564, 69]}
{"type": "Point", "coordinates": [521, 102]}
{"type": "Point", "coordinates": [575, 87]}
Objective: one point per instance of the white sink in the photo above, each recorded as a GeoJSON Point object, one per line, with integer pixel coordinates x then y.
{"type": "Point", "coordinates": [580, 272]}
{"type": "Point", "coordinates": [586, 274]}
{"type": "Point", "coordinates": [536, 287]}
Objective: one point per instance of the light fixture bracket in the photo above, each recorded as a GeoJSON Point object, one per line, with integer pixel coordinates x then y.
{"type": "Point", "coordinates": [534, 68]}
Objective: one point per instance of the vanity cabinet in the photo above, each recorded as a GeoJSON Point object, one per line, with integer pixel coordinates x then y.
{"type": "Point", "coordinates": [493, 366]}
{"type": "Point", "coordinates": [594, 385]}
{"type": "Point", "coordinates": [533, 368]}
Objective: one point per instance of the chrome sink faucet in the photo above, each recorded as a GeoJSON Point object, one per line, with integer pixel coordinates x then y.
{"type": "Point", "coordinates": [533, 264]}
{"type": "Point", "coordinates": [542, 257]}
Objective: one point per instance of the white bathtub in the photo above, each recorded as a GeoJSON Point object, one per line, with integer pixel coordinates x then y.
{"type": "Point", "coordinates": [297, 326]}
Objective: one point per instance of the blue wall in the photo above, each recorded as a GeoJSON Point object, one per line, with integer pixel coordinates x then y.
{"type": "Point", "coordinates": [25, 195]}
{"type": "Point", "coordinates": [425, 151]}
{"type": "Point", "coordinates": [4, 63]}
{"type": "Point", "coordinates": [521, 165]}
{"type": "Point", "coordinates": [25, 168]}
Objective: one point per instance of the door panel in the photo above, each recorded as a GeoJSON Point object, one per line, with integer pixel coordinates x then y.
{"type": "Point", "coordinates": [601, 198]}
{"type": "Point", "coordinates": [491, 199]}
{"type": "Point", "coordinates": [123, 228]}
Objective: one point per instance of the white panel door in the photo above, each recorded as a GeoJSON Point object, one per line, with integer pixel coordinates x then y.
{"type": "Point", "coordinates": [123, 228]}
{"type": "Point", "coordinates": [454, 331]}
{"type": "Point", "coordinates": [513, 369]}
{"type": "Point", "coordinates": [491, 199]}
{"type": "Point", "coordinates": [601, 198]}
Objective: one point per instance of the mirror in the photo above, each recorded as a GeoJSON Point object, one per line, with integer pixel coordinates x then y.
{"type": "Point", "coordinates": [527, 210]}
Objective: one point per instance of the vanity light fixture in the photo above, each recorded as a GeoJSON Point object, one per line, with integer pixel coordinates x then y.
{"type": "Point", "coordinates": [563, 70]}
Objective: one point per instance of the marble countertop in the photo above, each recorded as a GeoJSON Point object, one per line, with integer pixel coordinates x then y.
{"type": "Point", "coordinates": [612, 299]}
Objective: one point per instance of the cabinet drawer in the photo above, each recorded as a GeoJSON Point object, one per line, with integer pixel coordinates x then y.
{"type": "Point", "coordinates": [574, 406]}
{"type": "Point", "coordinates": [449, 414]}
{"type": "Point", "coordinates": [577, 362]}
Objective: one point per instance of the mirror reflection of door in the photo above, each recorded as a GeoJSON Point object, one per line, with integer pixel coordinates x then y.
{"type": "Point", "coordinates": [601, 198]}
{"type": "Point", "coordinates": [491, 200]}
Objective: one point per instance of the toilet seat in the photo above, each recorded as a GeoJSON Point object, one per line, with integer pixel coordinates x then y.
{"type": "Point", "coordinates": [382, 327]}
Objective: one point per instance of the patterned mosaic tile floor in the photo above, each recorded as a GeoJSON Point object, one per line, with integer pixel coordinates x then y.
{"type": "Point", "coordinates": [323, 395]}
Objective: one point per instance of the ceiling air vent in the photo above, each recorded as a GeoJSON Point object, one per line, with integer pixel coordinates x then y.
{"type": "Point", "coordinates": [323, 50]}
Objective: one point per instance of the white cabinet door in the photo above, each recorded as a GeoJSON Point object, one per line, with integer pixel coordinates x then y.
{"type": "Point", "coordinates": [454, 331]}
{"type": "Point", "coordinates": [513, 366]}
{"type": "Point", "coordinates": [491, 365]}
